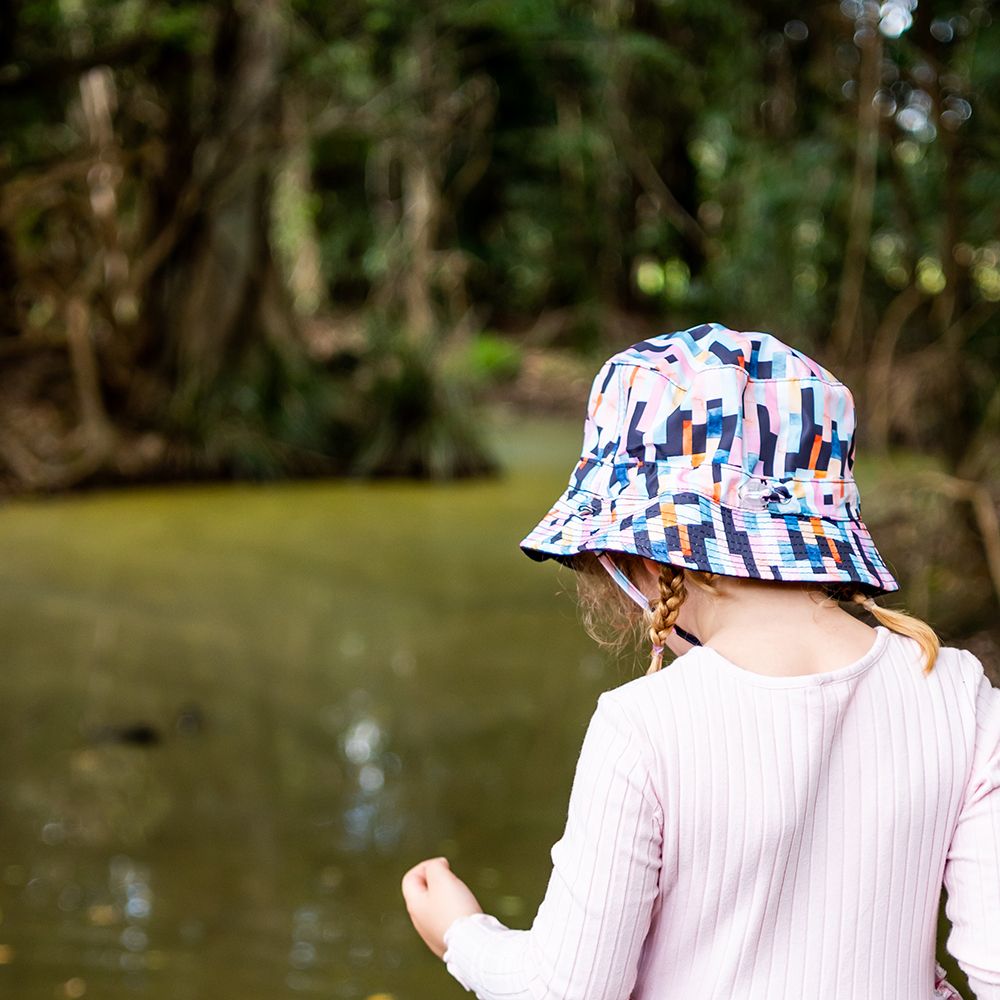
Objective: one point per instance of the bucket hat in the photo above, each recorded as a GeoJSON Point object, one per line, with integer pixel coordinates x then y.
{"type": "Point", "coordinates": [719, 451]}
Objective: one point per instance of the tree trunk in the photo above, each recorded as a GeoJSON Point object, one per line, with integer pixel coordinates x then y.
{"type": "Point", "coordinates": [859, 221]}
{"type": "Point", "coordinates": [209, 298]}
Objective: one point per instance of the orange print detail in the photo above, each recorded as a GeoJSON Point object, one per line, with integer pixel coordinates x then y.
{"type": "Point", "coordinates": [685, 544]}
{"type": "Point", "coordinates": [817, 441]}
{"type": "Point", "coordinates": [686, 437]}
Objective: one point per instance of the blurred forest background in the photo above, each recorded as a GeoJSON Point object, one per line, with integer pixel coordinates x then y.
{"type": "Point", "coordinates": [289, 238]}
{"type": "Point", "coordinates": [370, 246]}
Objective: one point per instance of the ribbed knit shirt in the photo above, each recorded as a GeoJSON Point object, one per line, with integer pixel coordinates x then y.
{"type": "Point", "coordinates": [735, 835]}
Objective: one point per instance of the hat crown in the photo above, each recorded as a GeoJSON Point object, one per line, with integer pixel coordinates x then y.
{"type": "Point", "coordinates": [714, 408]}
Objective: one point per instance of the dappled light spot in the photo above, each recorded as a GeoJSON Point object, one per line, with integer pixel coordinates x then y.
{"type": "Point", "coordinates": [510, 906]}
{"type": "Point", "coordinates": [896, 16]}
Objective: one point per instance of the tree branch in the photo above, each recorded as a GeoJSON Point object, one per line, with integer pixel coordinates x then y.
{"type": "Point", "coordinates": [983, 507]}
{"type": "Point", "coordinates": [50, 73]}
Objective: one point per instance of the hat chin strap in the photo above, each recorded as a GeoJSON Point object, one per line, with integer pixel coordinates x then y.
{"type": "Point", "coordinates": [638, 596]}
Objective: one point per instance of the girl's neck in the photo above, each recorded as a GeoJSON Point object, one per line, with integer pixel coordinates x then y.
{"type": "Point", "coordinates": [783, 633]}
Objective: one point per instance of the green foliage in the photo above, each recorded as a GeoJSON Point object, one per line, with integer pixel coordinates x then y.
{"type": "Point", "coordinates": [488, 359]}
{"type": "Point", "coordinates": [271, 415]}
{"type": "Point", "coordinates": [493, 358]}
{"type": "Point", "coordinates": [414, 417]}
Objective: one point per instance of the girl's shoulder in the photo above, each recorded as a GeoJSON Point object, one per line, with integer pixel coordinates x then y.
{"type": "Point", "coordinates": [960, 666]}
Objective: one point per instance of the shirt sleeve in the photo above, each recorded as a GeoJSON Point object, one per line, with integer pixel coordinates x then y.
{"type": "Point", "coordinates": [972, 864]}
{"type": "Point", "coordinates": [586, 939]}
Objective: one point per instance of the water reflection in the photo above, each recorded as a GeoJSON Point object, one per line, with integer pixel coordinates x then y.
{"type": "Point", "coordinates": [370, 819]}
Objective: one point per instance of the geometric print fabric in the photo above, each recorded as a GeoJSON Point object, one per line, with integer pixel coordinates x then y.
{"type": "Point", "coordinates": [723, 451]}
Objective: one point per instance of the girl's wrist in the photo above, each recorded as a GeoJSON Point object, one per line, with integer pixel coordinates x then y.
{"type": "Point", "coordinates": [463, 916]}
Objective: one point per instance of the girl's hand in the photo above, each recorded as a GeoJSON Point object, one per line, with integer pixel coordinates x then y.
{"type": "Point", "coordinates": [434, 898]}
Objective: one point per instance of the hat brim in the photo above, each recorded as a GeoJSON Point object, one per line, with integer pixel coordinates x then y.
{"type": "Point", "coordinates": [697, 532]}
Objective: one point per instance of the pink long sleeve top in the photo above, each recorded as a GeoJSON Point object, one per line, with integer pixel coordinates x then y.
{"type": "Point", "coordinates": [739, 836]}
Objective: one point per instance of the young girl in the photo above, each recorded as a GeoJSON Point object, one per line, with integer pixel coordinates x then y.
{"type": "Point", "coordinates": [772, 815]}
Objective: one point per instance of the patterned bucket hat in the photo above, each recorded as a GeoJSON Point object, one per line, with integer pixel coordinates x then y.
{"type": "Point", "coordinates": [719, 451]}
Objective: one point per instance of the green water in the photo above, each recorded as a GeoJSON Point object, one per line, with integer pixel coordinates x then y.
{"type": "Point", "coordinates": [334, 681]}
{"type": "Point", "coordinates": [320, 684]}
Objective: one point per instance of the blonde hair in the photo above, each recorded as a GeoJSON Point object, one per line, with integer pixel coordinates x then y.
{"type": "Point", "coordinates": [613, 620]}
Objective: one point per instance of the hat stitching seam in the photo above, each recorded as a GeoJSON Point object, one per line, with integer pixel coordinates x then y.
{"type": "Point", "coordinates": [727, 465]}
{"type": "Point", "coordinates": [620, 501]}
{"type": "Point", "coordinates": [738, 545]}
{"type": "Point", "coordinates": [725, 364]}
{"type": "Point", "coordinates": [741, 550]}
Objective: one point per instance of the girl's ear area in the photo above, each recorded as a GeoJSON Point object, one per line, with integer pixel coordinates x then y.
{"type": "Point", "coordinates": [652, 569]}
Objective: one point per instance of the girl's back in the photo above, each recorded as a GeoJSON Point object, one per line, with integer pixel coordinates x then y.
{"type": "Point", "coordinates": [808, 821]}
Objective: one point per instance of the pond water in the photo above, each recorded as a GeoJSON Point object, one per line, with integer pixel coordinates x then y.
{"type": "Point", "coordinates": [232, 716]}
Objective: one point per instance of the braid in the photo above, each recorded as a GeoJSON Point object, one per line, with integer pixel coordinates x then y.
{"type": "Point", "coordinates": [665, 610]}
